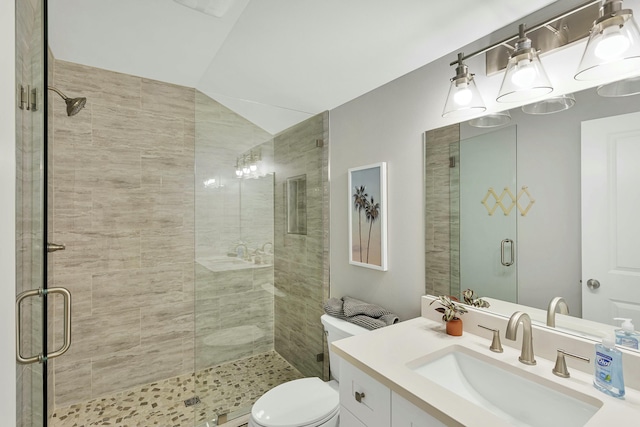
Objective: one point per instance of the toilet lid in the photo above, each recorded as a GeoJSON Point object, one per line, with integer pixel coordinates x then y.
{"type": "Point", "coordinates": [296, 403]}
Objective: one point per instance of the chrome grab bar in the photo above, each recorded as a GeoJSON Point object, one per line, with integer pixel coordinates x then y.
{"type": "Point", "coordinates": [66, 295]}
{"type": "Point", "coordinates": [502, 260]}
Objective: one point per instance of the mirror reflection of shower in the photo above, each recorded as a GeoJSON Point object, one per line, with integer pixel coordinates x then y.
{"type": "Point", "coordinates": [74, 105]}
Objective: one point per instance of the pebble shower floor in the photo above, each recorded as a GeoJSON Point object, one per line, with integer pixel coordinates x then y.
{"type": "Point", "coordinates": [222, 389]}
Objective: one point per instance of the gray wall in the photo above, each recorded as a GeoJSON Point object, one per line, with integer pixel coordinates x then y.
{"type": "Point", "coordinates": [385, 125]}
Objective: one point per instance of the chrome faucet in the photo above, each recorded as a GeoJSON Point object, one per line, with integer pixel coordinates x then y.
{"type": "Point", "coordinates": [526, 355]}
{"type": "Point", "coordinates": [265, 245]}
{"type": "Point", "coordinates": [554, 304]}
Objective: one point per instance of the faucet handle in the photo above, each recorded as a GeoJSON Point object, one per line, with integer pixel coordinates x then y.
{"type": "Point", "coordinates": [561, 365]}
{"type": "Point", "coordinates": [496, 345]}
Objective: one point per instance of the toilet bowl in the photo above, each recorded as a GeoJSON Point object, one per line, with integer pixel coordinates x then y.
{"type": "Point", "coordinates": [307, 402]}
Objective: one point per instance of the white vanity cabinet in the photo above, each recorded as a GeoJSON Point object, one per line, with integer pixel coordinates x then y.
{"type": "Point", "coordinates": [364, 402]}
{"type": "Point", "coordinates": [362, 399]}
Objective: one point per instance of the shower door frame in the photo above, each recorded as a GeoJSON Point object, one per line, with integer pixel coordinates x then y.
{"type": "Point", "coordinates": [35, 399]}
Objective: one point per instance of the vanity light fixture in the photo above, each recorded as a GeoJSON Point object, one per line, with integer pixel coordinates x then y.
{"type": "Point", "coordinates": [551, 105]}
{"type": "Point", "coordinates": [491, 120]}
{"type": "Point", "coordinates": [613, 48]}
{"type": "Point", "coordinates": [525, 77]}
{"type": "Point", "coordinates": [464, 97]}
{"type": "Point", "coordinates": [626, 87]}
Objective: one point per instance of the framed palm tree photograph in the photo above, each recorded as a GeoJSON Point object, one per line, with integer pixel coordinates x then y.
{"type": "Point", "coordinates": [368, 216]}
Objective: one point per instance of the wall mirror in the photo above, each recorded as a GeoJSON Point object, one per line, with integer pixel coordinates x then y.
{"type": "Point", "coordinates": [296, 194]}
{"type": "Point", "coordinates": [505, 212]}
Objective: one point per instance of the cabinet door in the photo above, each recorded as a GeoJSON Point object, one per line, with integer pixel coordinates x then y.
{"type": "Point", "coordinates": [406, 414]}
{"type": "Point", "coordinates": [364, 397]}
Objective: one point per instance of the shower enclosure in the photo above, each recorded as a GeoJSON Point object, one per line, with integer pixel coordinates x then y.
{"type": "Point", "coordinates": [186, 286]}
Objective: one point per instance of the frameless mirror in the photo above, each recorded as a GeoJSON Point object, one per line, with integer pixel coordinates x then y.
{"type": "Point", "coordinates": [297, 204]}
{"type": "Point", "coordinates": [506, 211]}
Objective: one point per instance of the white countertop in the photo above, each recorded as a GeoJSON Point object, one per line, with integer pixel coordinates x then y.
{"type": "Point", "coordinates": [384, 353]}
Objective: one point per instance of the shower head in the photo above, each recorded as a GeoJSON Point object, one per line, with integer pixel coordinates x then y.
{"type": "Point", "coordinates": [74, 105]}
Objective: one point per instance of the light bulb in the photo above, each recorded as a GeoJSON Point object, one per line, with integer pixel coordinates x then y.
{"type": "Point", "coordinates": [524, 74]}
{"type": "Point", "coordinates": [463, 96]}
{"type": "Point", "coordinates": [238, 172]}
{"type": "Point", "coordinates": [612, 44]}
{"type": "Point", "coordinates": [253, 167]}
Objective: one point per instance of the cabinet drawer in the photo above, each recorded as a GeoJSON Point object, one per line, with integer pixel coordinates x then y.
{"type": "Point", "coordinates": [347, 419]}
{"type": "Point", "coordinates": [364, 397]}
{"type": "Point", "coordinates": [406, 414]}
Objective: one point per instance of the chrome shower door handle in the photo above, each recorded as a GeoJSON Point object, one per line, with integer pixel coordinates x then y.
{"type": "Point", "coordinates": [66, 295]}
{"type": "Point", "coordinates": [502, 255]}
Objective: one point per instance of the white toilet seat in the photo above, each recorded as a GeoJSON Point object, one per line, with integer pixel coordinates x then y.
{"type": "Point", "coordinates": [307, 402]}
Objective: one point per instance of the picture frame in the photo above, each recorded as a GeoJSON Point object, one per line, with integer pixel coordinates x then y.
{"type": "Point", "coordinates": [368, 216]}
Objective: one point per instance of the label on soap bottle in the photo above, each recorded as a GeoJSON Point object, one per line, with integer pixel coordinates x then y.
{"type": "Point", "coordinates": [603, 362]}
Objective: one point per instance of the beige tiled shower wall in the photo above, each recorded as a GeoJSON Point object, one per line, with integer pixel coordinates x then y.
{"type": "Point", "coordinates": [122, 177]}
{"type": "Point", "coordinates": [438, 208]}
{"type": "Point", "coordinates": [301, 266]}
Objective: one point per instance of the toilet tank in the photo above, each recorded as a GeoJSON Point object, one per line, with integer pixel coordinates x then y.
{"type": "Point", "coordinates": [337, 329]}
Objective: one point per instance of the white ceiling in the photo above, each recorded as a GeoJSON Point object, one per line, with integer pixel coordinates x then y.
{"type": "Point", "coordinates": [275, 62]}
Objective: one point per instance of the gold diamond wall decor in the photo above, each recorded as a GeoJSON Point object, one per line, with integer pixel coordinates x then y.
{"type": "Point", "coordinates": [514, 201]}
{"type": "Point", "coordinates": [525, 190]}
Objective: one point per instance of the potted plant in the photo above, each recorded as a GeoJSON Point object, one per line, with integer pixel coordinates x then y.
{"type": "Point", "coordinates": [451, 312]}
{"type": "Point", "coordinates": [469, 297]}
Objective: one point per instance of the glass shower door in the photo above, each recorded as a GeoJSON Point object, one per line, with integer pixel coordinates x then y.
{"type": "Point", "coordinates": [30, 212]}
{"type": "Point", "coordinates": [488, 213]}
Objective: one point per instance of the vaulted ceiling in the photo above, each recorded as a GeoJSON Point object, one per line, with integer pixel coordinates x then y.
{"type": "Point", "coordinates": [275, 62]}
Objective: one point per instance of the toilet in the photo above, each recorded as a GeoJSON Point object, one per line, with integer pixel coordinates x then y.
{"type": "Point", "coordinates": [307, 402]}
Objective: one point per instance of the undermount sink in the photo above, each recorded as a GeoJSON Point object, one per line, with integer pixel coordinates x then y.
{"type": "Point", "coordinates": [519, 397]}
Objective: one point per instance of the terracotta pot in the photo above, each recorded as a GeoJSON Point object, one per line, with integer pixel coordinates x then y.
{"type": "Point", "coordinates": [454, 327]}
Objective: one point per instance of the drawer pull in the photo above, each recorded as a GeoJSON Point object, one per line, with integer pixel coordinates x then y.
{"type": "Point", "coordinates": [359, 396]}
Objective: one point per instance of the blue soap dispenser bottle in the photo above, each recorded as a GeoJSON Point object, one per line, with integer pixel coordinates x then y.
{"type": "Point", "coordinates": [627, 335]}
{"type": "Point", "coordinates": [608, 376]}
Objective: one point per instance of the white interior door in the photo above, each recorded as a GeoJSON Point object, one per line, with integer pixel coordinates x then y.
{"type": "Point", "coordinates": [488, 215]}
{"type": "Point", "coordinates": [611, 218]}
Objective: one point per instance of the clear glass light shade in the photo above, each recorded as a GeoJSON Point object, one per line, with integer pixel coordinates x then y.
{"type": "Point", "coordinates": [524, 79]}
{"type": "Point", "coordinates": [464, 98]}
{"type": "Point", "coordinates": [613, 50]}
{"type": "Point", "coordinates": [626, 87]}
{"type": "Point", "coordinates": [551, 105]}
{"type": "Point", "coordinates": [491, 120]}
